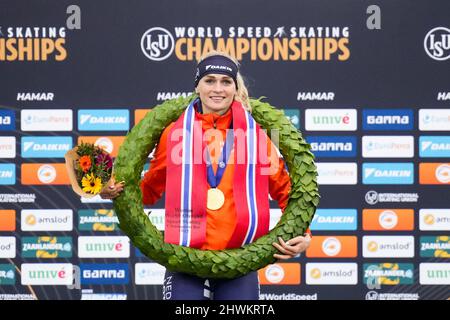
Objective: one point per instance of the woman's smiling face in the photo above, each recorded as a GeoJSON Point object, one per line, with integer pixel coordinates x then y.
{"type": "Point", "coordinates": [216, 92]}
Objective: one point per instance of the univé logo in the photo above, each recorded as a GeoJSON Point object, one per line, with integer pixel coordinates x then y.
{"type": "Point", "coordinates": [437, 43]}
{"type": "Point", "coordinates": [47, 274]}
{"type": "Point", "coordinates": [103, 247]}
{"type": "Point", "coordinates": [157, 44]}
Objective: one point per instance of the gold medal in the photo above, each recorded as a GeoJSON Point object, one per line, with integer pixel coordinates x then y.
{"type": "Point", "coordinates": [215, 199]}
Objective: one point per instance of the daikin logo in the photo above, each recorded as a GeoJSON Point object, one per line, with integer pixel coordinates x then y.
{"type": "Point", "coordinates": [434, 146]}
{"type": "Point", "coordinates": [45, 147]}
{"type": "Point", "coordinates": [98, 120]}
{"type": "Point", "coordinates": [334, 219]}
{"type": "Point", "coordinates": [388, 173]}
{"type": "Point", "coordinates": [7, 173]}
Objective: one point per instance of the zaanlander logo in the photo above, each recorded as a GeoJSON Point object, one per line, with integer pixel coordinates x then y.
{"type": "Point", "coordinates": [437, 43]}
{"type": "Point", "coordinates": [286, 43]}
{"type": "Point", "coordinates": [97, 220]}
{"type": "Point", "coordinates": [435, 247]}
{"type": "Point", "coordinates": [47, 247]}
{"type": "Point", "coordinates": [7, 274]}
{"type": "Point", "coordinates": [388, 274]}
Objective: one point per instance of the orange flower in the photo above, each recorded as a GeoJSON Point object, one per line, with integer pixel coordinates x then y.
{"type": "Point", "coordinates": [85, 163]}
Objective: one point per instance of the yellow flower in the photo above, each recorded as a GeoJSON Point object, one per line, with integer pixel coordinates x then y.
{"type": "Point", "coordinates": [91, 184]}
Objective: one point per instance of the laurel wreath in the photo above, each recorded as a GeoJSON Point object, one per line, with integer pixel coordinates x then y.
{"type": "Point", "coordinates": [230, 263]}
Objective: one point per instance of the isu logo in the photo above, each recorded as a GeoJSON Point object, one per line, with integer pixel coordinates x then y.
{"type": "Point", "coordinates": [157, 44]}
{"type": "Point", "coordinates": [437, 43]}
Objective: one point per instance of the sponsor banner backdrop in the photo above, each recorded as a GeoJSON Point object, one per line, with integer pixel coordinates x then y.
{"type": "Point", "coordinates": [368, 91]}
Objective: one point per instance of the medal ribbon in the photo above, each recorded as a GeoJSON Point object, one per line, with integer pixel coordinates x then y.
{"type": "Point", "coordinates": [214, 179]}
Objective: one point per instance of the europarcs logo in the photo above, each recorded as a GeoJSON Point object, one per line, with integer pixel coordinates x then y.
{"type": "Point", "coordinates": [263, 43]}
{"type": "Point", "coordinates": [437, 43]}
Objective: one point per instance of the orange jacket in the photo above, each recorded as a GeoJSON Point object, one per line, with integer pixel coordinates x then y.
{"type": "Point", "coordinates": [220, 223]}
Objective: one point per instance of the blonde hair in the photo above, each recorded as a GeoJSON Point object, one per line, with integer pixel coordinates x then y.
{"type": "Point", "coordinates": [242, 91]}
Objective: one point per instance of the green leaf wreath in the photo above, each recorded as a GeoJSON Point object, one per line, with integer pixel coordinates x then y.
{"type": "Point", "coordinates": [230, 263]}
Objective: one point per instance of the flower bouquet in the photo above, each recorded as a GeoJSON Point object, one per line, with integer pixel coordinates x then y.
{"type": "Point", "coordinates": [89, 168]}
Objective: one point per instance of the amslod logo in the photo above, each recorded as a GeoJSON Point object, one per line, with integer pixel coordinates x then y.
{"type": "Point", "coordinates": [332, 146]}
{"type": "Point", "coordinates": [103, 120]}
{"type": "Point", "coordinates": [45, 147]}
{"type": "Point", "coordinates": [7, 120]}
{"type": "Point", "coordinates": [434, 146]}
{"type": "Point", "coordinates": [388, 119]}
{"type": "Point", "coordinates": [388, 173]}
{"type": "Point", "coordinates": [112, 273]}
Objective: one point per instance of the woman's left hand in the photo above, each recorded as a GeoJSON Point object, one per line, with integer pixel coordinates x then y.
{"type": "Point", "coordinates": [293, 247]}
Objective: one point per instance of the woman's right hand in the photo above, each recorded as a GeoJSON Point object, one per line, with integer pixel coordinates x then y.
{"type": "Point", "coordinates": [112, 189]}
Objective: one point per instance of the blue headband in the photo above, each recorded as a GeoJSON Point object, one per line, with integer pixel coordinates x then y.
{"type": "Point", "coordinates": [216, 64]}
